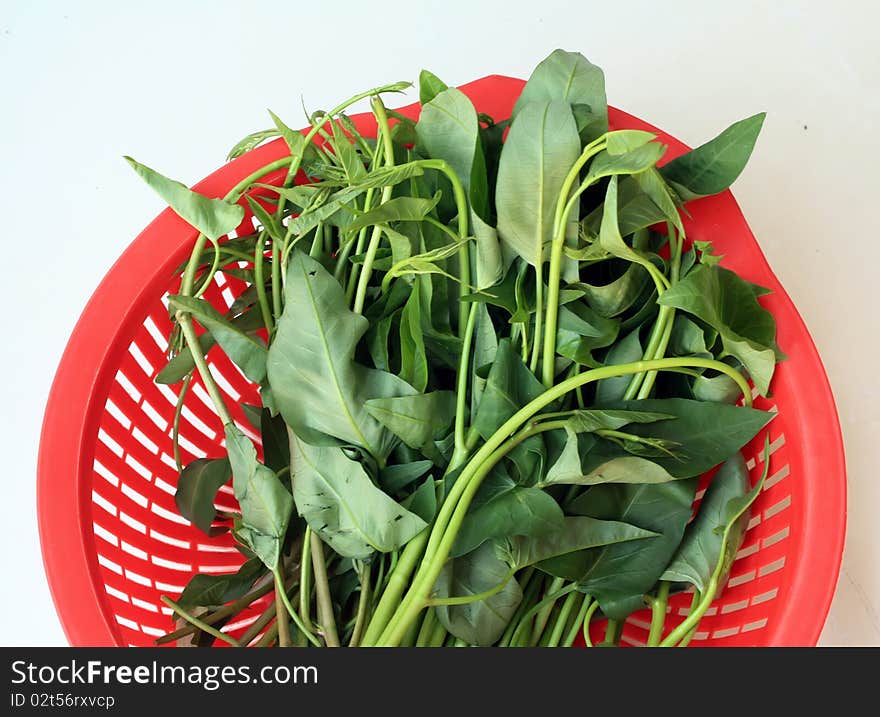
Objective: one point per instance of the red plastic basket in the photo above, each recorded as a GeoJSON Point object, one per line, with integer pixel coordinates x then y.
{"type": "Point", "coordinates": [112, 539]}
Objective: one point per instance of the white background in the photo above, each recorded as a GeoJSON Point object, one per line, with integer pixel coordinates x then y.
{"type": "Point", "coordinates": [176, 83]}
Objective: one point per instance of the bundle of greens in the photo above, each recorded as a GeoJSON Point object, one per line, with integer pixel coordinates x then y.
{"type": "Point", "coordinates": [492, 370]}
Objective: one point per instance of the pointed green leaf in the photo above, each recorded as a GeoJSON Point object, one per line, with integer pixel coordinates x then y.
{"type": "Point", "coordinates": [344, 507]}
{"type": "Point", "coordinates": [214, 218]}
{"type": "Point", "coordinates": [714, 166]}
{"type": "Point", "coordinates": [541, 147]}
{"type": "Point", "coordinates": [197, 488]}
{"type": "Point", "coordinates": [318, 387]}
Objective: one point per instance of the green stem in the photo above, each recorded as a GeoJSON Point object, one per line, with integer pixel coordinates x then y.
{"type": "Point", "coordinates": [260, 282]}
{"type": "Point", "coordinates": [373, 246]}
{"type": "Point", "coordinates": [564, 206]}
{"type": "Point", "coordinates": [305, 579]}
{"type": "Point", "coordinates": [587, 620]}
{"type": "Point", "coordinates": [549, 600]}
{"type": "Point", "coordinates": [189, 332]}
{"type": "Point", "coordinates": [175, 426]}
{"type": "Point", "coordinates": [454, 508]}
{"type": "Point", "coordinates": [322, 593]}
{"type": "Point", "coordinates": [658, 614]}
{"type": "Point", "coordinates": [531, 582]}
{"type": "Point", "coordinates": [438, 637]}
{"type": "Point", "coordinates": [397, 582]}
{"type": "Point", "coordinates": [203, 626]}
{"type": "Point", "coordinates": [363, 606]}
{"type": "Point", "coordinates": [283, 622]}
{"type": "Point", "coordinates": [562, 619]}
{"type": "Point", "coordinates": [539, 317]}
{"type": "Point", "coordinates": [543, 616]}
{"type": "Point", "coordinates": [427, 629]}
{"type": "Point", "coordinates": [476, 597]}
{"type": "Point", "coordinates": [694, 616]}
{"type": "Point", "coordinates": [461, 388]}
{"type": "Point", "coordinates": [612, 631]}
{"type": "Point", "coordinates": [290, 611]}
{"type": "Point", "coordinates": [579, 619]}
{"type": "Point", "coordinates": [276, 279]}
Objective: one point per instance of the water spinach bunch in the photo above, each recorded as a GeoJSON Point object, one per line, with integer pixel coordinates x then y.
{"type": "Point", "coordinates": [491, 368]}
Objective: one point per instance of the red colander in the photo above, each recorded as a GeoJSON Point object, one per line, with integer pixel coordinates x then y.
{"type": "Point", "coordinates": [113, 541]}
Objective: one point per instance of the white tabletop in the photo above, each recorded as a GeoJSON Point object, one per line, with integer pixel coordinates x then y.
{"type": "Point", "coordinates": [175, 83]}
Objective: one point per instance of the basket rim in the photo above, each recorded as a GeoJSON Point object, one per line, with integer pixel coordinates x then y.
{"type": "Point", "coordinates": [88, 366]}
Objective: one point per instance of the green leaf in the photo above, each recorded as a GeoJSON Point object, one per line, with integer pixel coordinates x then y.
{"type": "Point", "coordinates": [423, 501]}
{"type": "Point", "coordinates": [610, 238]}
{"type": "Point", "coordinates": [448, 129]}
{"type": "Point", "coordinates": [705, 434]}
{"type": "Point", "coordinates": [626, 350]}
{"type": "Point", "coordinates": [516, 511]}
{"type": "Point", "coordinates": [216, 590]}
{"type": "Point", "coordinates": [268, 222]}
{"type": "Point", "coordinates": [248, 352]}
{"type": "Point", "coordinates": [577, 533]}
{"type": "Point", "coordinates": [580, 330]}
{"type": "Point", "coordinates": [703, 543]}
{"type": "Point", "coordinates": [541, 147]}
{"type": "Point", "coordinates": [266, 505]}
{"type": "Point", "coordinates": [485, 350]}
{"type": "Point", "coordinates": [413, 359]}
{"type": "Point", "coordinates": [399, 209]}
{"type": "Point", "coordinates": [212, 217]}
{"type": "Point", "coordinates": [254, 139]}
{"type": "Point", "coordinates": [276, 446]}
{"type": "Point", "coordinates": [394, 478]}
{"type": "Point", "coordinates": [417, 420]}
{"type": "Point", "coordinates": [619, 575]}
{"type": "Point", "coordinates": [294, 138]}
{"type": "Point", "coordinates": [183, 364]}
{"type": "Point", "coordinates": [481, 622]}
{"type": "Point", "coordinates": [429, 86]}
{"type": "Point", "coordinates": [714, 166]}
{"type": "Point", "coordinates": [389, 176]}
{"type": "Point", "coordinates": [728, 304]}
{"type": "Point", "coordinates": [612, 299]}
{"type": "Point", "coordinates": [721, 389]}
{"type": "Point", "coordinates": [197, 488]}
{"type": "Point", "coordinates": [571, 78]}
{"type": "Point", "coordinates": [689, 339]}
{"type": "Point", "coordinates": [510, 386]}
{"type": "Point", "coordinates": [341, 504]}
{"type": "Point", "coordinates": [318, 387]}
{"type": "Point", "coordinates": [312, 216]}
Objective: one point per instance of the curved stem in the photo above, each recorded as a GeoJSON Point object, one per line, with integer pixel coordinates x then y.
{"type": "Point", "coordinates": [363, 608]}
{"type": "Point", "coordinates": [260, 283]}
{"type": "Point", "coordinates": [203, 626]}
{"type": "Point", "coordinates": [476, 597]}
{"type": "Point", "coordinates": [373, 246]}
{"type": "Point", "coordinates": [587, 619]}
{"type": "Point", "coordinates": [189, 332]}
{"type": "Point", "coordinates": [579, 619]}
{"type": "Point", "coordinates": [291, 612]}
{"type": "Point", "coordinates": [658, 614]}
{"type": "Point", "coordinates": [547, 601]}
{"type": "Point", "coordinates": [461, 386]}
{"type": "Point", "coordinates": [539, 318]}
{"type": "Point", "coordinates": [454, 508]}
{"type": "Point", "coordinates": [283, 622]}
